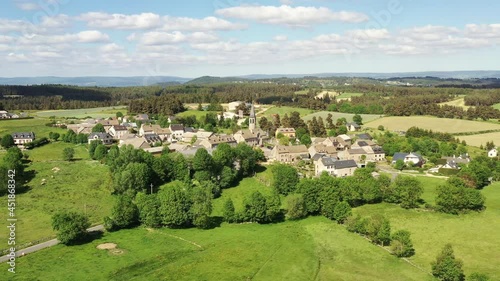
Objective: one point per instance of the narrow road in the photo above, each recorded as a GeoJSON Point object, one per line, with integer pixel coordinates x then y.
{"type": "Point", "coordinates": [43, 245]}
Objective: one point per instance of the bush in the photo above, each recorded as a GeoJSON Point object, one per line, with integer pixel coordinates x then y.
{"type": "Point", "coordinates": [447, 267]}
{"type": "Point", "coordinates": [342, 211]}
{"type": "Point", "coordinates": [70, 226]}
{"type": "Point", "coordinates": [401, 244]}
{"type": "Point", "coordinates": [296, 207]}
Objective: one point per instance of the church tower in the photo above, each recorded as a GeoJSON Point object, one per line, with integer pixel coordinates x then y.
{"type": "Point", "coordinates": [252, 119]}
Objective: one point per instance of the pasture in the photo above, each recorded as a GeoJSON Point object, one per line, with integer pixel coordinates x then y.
{"type": "Point", "coordinates": [98, 112]}
{"type": "Point", "coordinates": [458, 102]}
{"type": "Point", "coordinates": [481, 139]}
{"type": "Point", "coordinates": [497, 106]}
{"type": "Point", "coordinates": [348, 96]}
{"type": "Point", "coordinates": [474, 237]}
{"type": "Point", "coordinates": [36, 125]}
{"type": "Point", "coordinates": [281, 110]}
{"type": "Point", "coordinates": [397, 123]}
{"type": "Point", "coordinates": [337, 115]}
{"type": "Point", "coordinates": [78, 186]}
{"type": "Point", "coordinates": [197, 113]}
{"type": "Point", "coordinates": [311, 249]}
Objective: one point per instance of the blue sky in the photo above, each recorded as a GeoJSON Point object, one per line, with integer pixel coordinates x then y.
{"type": "Point", "coordinates": [192, 38]}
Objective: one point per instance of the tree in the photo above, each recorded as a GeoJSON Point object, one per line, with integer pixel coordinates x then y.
{"type": "Point", "coordinates": [342, 130]}
{"type": "Point", "coordinates": [478, 277]}
{"type": "Point", "coordinates": [455, 197]}
{"type": "Point", "coordinates": [149, 209]}
{"type": "Point", "coordinates": [305, 139]}
{"type": "Point", "coordinates": [228, 212]}
{"type": "Point", "coordinates": [447, 267]}
{"type": "Point", "coordinates": [135, 177]}
{"type": "Point", "coordinates": [98, 128]}
{"type": "Point", "coordinates": [408, 190]}
{"type": "Point", "coordinates": [400, 164]}
{"type": "Point", "coordinates": [255, 208]}
{"type": "Point", "coordinates": [285, 178]}
{"type": "Point", "coordinates": [401, 244]}
{"type": "Point", "coordinates": [174, 205]}
{"type": "Point", "coordinates": [68, 154]}
{"type": "Point", "coordinates": [119, 114]}
{"type": "Point", "coordinates": [7, 141]}
{"type": "Point", "coordinates": [54, 136]}
{"type": "Point", "coordinates": [357, 119]}
{"type": "Point", "coordinates": [311, 192]}
{"type": "Point", "coordinates": [296, 207]}
{"type": "Point", "coordinates": [380, 128]}
{"type": "Point", "coordinates": [202, 161]}
{"type": "Point", "coordinates": [342, 211]}
{"type": "Point", "coordinates": [227, 177]}
{"type": "Point", "coordinates": [70, 226]}
{"type": "Point", "coordinates": [92, 147]}
{"type": "Point", "coordinates": [383, 236]}
{"type": "Point", "coordinates": [201, 207]}
{"type": "Point", "coordinates": [125, 214]}
{"type": "Point", "coordinates": [100, 152]}
{"type": "Point", "coordinates": [223, 155]}
{"type": "Point", "coordinates": [273, 208]}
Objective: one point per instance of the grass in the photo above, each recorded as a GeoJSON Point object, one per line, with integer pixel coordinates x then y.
{"type": "Point", "coordinates": [337, 115]}
{"type": "Point", "coordinates": [77, 186]}
{"type": "Point", "coordinates": [53, 152]}
{"type": "Point", "coordinates": [474, 237]}
{"type": "Point", "coordinates": [199, 114]}
{"type": "Point", "coordinates": [36, 125]}
{"type": "Point", "coordinates": [285, 109]}
{"type": "Point", "coordinates": [348, 96]}
{"type": "Point", "coordinates": [432, 123]}
{"type": "Point", "coordinates": [311, 249]}
{"type": "Point", "coordinates": [497, 106]}
{"type": "Point", "coordinates": [481, 139]}
{"type": "Point", "coordinates": [458, 102]}
{"type": "Point", "coordinates": [98, 112]}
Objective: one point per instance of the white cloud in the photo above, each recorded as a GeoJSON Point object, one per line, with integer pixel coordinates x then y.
{"type": "Point", "coordinates": [121, 21]}
{"type": "Point", "coordinates": [369, 34]}
{"type": "Point", "coordinates": [176, 37]}
{"type": "Point", "coordinates": [91, 36]}
{"type": "Point", "coordinates": [483, 30]}
{"type": "Point", "coordinates": [111, 48]}
{"type": "Point", "coordinates": [290, 16]}
{"type": "Point", "coordinates": [45, 25]}
{"type": "Point", "coordinates": [192, 24]}
{"type": "Point", "coordinates": [280, 38]}
{"type": "Point", "coordinates": [27, 6]}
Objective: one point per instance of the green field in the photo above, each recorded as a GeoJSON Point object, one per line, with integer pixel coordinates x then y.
{"type": "Point", "coordinates": [481, 139]}
{"type": "Point", "coordinates": [474, 236]}
{"type": "Point", "coordinates": [285, 109]}
{"type": "Point", "coordinates": [36, 125]}
{"type": "Point", "coordinates": [337, 115]}
{"type": "Point", "coordinates": [197, 113]}
{"type": "Point", "coordinates": [348, 96]}
{"type": "Point", "coordinates": [432, 123]}
{"type": "Point", "coordinates": [458, 102]}
{"type": "Point", "coordinates": [98, 112]}
{"type": "Point", "coordinates": [497, 106]}
{"type": "Point", "coordinates": [82, 186]}
{"type": "Point", "coordinates": [311, 249]}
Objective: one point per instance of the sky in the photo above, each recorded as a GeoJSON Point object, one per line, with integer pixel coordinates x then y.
{"type": "Point", "coordinates": [192, 38]}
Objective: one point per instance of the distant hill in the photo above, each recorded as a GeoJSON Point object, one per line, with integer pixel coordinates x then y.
{"type": "Point", "coordinates": [214, 80]}
{"type": "Point", "coordinates": [100, 81]}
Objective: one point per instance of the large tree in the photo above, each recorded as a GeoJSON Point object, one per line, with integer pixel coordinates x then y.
{"type": "Point", "coordinates": [125, 214]}
{"type": "Point", "coordinates": [408, 190]}
{"type": "Point", "coordinates": [255, 208]}
{"type": "Point", "coordinates": [70, 226]}
{"type": "Point", "coordinates": [7, 141]}
{"type": "Point", "coordinates": [285, 178]}
{"type": "Point", "coordinates": [175, 205]}
{"type": "Point", "coordinates": [68, 154]}
{"type": "Point", "coordinates": [201, 207]}
{"type": "Point", "coordinates": [149, 209]}
{"type": "Point", "coordinates": [401, 244]}
{"type": "Point", "coordinates": [98, 128]}
{"type": "Point", "coordinates": [296, 207]}
{"type": "Point", "coordinates": [447, 267]}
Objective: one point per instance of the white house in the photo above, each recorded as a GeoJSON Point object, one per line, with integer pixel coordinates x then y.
{"type": "Point", "coordinates": [177, 131]}
{"type": "Point", "coordinates": [493, 153]}
{"type": "Point", "coordinates": [105, 138]}
{"type": "Point", "coordinates": [334, 167]}
{"type": "Point", "coordinates": [117, 131]}
{"type": "Point", "coordinates": [23, 138]}
{"type": "Point", "coordinates": [413, 158]}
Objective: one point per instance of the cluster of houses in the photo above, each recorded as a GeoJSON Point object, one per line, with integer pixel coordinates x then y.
{"type": "Point", "coordinates": [7, 115]}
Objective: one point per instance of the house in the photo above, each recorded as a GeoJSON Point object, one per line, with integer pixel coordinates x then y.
{"type": "Point", "coordinates": [353, 127]}
{"type": "Point", "coordinates": [117, 131]}
{"type": "Point", "coordinates": [334, 167]}
{"type": "Point", "coordinates": [256, 137]}
{"type": "Point", "coordinates": [107, 124]}
{"type": "Point", "coordinates": [146, 129]}
{"type": "Point", "coordinates": [287, 132]}
{"type": "Point", "coordinates": [364, 137]}
{"type": "Point", "coordinates": [493, 153]}
{"type": "Point", "coordinates": [177, 131]}
{"type": "Point", "coordinates": [152, 138]}
{"type": "Point", "coordinates": [142, 117]}
{"type": "Point", "coordinates": [289, 154]}
{"type": "Point", "coordinates": [214, 141]}
{"type": "Point", "coordinates": [4, 114]}
{"type": "Point", "coordinates": [105, 138]}
{"type": "Point", "coordinates": [345, 137]}
{"type": "Point", "coordinates": [137, 143]}
{"type": "Point", "coordinates": [322, 149]}
{"type": "Point", "coordinates": [413, 158]}
{"type": "Point", "coordinates": [227, 115]}
{"type": "Point", "coordinates": [23, 137]}
{"type": "Point", "coordinates": [454, 162]}
{"type": "Point", "coordinates": [233, 105]}
{"type": "Point", "coordinates": [83, 128]}
{"type": "Point", "coordinates": [337, 142]}
{"type": "Point", "coordinates": [198, 135]}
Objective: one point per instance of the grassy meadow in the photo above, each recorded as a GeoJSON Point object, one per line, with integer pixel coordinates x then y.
{"type": "Point", "coordinates": [481, 139]}
{"type": "Point", "coordinates": [197, 113]}
{"type": "Point", "coordinates": [285, 109]}
{"type": "Point", "coordinates": [457, 102]}
{"type": "Point", "coordinates": [337, 115]}
{"type": "Point", "coordinates": [28, 125]}
{"type": "Point", "coordinates": [98, 112]}
{"type": "Point", "coordinates": [432, 123]}
{"type": "Point", "coordinates": [348, 96]}
{"type": "Point", "coordinates": [497, 106]}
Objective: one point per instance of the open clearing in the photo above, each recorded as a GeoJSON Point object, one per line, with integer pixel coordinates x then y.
{"type": "Point", "coordinates": [28, 125]}
{"type": "Point", "coordinates": [478, 140]}
{"type": "Point", "coordinates": [281, 110]}
{"type": "Point", "coordinates": [197, 113]}
{"type": "Point", "coordinates": [458, 102]}
{"type": "Point", "coordinates": [337, 115]}
{"type": "Point", "coordinates": [98, 112]}
{"type": "Point", "coordinates": [397, 123]}
{"type": "Point", "coordinates": [497, 106]}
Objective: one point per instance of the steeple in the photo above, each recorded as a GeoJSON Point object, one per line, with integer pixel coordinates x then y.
{"type": "Point", "coordinates": [252, 119]}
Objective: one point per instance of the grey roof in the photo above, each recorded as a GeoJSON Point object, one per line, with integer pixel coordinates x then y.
{"type": "Point", "coordinates": [101, 136]}
{"type": "Point", "coordinates": [152, 138]}
{"type": "Point", "coordinates": [342, 164]}
{"type": "Point", "coordinates": [317, 156]}
{"type": "Point", "coordinates": [362, 143]}
{"type": "Point", "coordinates": [23, 135]}
{"type": "Point", "coordinates": [353, 124]}
{"type": "Point", "coordinates": [399, 156]}
{"type": "Point", "coordinates": [177, 127]}
{"type": "Point", "coordinates": [328, 161]}
{"type": "Point", "coordinates": [365, 137]}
